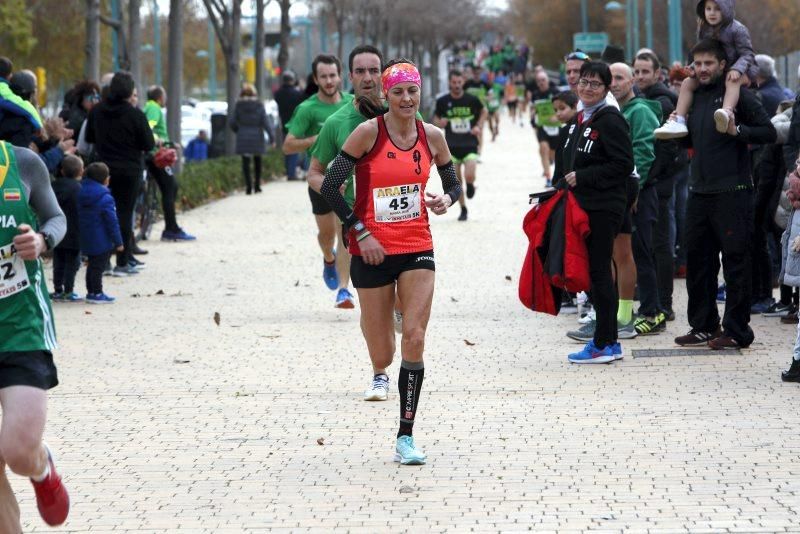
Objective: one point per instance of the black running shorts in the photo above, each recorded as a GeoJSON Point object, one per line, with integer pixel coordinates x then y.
{"type": "Point", "coordinates": [541, 135]}
{"type": "Point", "coordinates": [33, 368]}
{"type": "Point", "coordinates": [369, 276]}
{"type": "Point", "coordinates": [632, 189]}
{"type": "Point", "coordinates": [319, 206]}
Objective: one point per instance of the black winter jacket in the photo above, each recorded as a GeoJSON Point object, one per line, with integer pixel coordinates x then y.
{"type": "Point", "coordinates": [601, 154]}
{"type": "Point", "coordinates": [67, 190]}
{"type": "Point", "coordinates": [670, 157]}
{"type": "Point", "coordinates": [121, 135]}
{"type": "Point", "coordinates": [721, 162]}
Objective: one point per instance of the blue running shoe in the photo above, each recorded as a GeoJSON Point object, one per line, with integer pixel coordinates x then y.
{"type": "Point", "coordinates": [407, 453]}
{"type": "Point", "coordinates": [721, 293]}
{"type": "Point", "coordinates": [72, 297]}
{"type": "Point", "coordinates": [344, 299]}
{"type": "Point", "coordinates": [616, 351]}
{"type": "Point", "coordinates": [179, 235]}
{"type": "Point", "coordinates": [329, 274]}
{"type": "Point", "coordinates": [99, 298]}
{"type": "Point", "coordinates": [591, 354]}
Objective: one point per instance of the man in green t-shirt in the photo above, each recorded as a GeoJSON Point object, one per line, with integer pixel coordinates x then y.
{"type": "Point", "coordinates": [304, 126]}
{"type": "Point", "coordinates": [157, 99]}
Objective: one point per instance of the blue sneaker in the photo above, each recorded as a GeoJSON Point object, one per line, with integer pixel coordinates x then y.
{"type": "Point", "coordinates": [721, 293]}
{"type": "Point", "coordinates": [591, 354]}
{"type": "Point", "coordinates": [179, 235]}
{"type": "Point", "coordinates": [71, 297]}
{"type": "Point", "coordinates": [99, 298]}
{"type": "Point", "coordinates": [407, 453]}
{"type": "Point", "coordinates": [616, 351]}
{"type": "Point", "coordinates": [344, 299]}
{"type": "Point", "coordinates": [329, 273]}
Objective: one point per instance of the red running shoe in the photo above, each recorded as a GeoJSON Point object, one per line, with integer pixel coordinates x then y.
{"type": "Point", "coordinates": [52, 498]}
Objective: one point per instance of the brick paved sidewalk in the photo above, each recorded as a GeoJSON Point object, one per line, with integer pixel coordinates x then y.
{"type": "Point", "coordinates": [166, 422]}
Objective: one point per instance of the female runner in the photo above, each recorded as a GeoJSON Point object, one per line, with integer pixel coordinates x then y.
{"type": "Point", "coordinates": [389, 235]}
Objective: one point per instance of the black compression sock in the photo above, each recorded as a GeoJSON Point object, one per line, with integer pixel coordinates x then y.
{"type": "Point", "coordinates": [410, 386]}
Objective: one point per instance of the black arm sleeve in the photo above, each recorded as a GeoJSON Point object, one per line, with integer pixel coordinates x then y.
{"type": "Point", "coordinates": [339, 171]}
{"type": "Point", "coordinates": [450, 183]}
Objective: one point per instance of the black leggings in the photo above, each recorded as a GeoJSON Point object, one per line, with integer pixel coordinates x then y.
{"type": "Point", "coordinates": [125, 185]}
{"type": "Point", "coordinates": [600, 244]}
{"type": "Point", "coordinates": [169, 191]}
{"type": "Point", "coordinates": [66, 262]}
{"type": "Point", "coordinates": [246, 171]}
{"type": "Point", "coordinates": [94, 273]}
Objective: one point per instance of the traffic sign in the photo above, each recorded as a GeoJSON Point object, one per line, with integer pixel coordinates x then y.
{"type": "Point", "coordinates": [590, 41]}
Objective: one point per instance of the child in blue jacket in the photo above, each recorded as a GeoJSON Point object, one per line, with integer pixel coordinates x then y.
{"type": "Point", "coordinates": [99, 229]}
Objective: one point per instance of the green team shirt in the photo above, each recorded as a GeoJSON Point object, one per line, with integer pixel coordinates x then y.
{"type": "Point", "coordinates": [26, 317]}
{"type": "Point", "coordinates": [311, 114]}
{"type": "Point", "coordinates": [331, 139]}
{"type": "Point", "coordinates": [155, 118]}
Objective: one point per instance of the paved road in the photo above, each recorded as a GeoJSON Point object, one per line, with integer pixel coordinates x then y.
{"type": "Point", "coordinates": [165, 421]}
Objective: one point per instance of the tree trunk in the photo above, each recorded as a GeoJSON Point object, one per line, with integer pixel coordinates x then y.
{"type": "Point", "coordinates": [175, 71]}
{"type": "Point", "coordinates": [91, 69]}
{"type": "Point", "coordinates": [340, 31]}
{"type": "Point", "coordinates": [283, 53]}
{"type": "Point", "coordinates": [232, 81]}
{"type": "Point", "coordinates": [135, 45]}
{"type": "Point", "coordinates": [259, 43]}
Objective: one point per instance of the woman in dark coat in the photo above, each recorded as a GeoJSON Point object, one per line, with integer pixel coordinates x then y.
{"type": "Point", "coordinates": [595, 163]}
{"type": "Point", "coordinates": [249, 121]}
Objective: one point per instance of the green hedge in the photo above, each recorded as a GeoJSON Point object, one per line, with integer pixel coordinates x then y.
{"type": "Point", "coordinates": [201, 182]}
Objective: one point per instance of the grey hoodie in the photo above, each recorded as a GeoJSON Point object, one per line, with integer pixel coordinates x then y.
{"type": "Point", "coordinates": [734, 35]}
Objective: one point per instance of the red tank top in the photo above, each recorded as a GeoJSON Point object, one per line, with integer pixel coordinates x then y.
{"type": "Point", "coordinates": [390, 194]}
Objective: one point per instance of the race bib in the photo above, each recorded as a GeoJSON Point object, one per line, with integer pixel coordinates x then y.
{"type": "Point", "coordinates": [398, 203]}
{"type": "Point", "coordinates": [552, 131]}
{"type": "Point", "coordinates": [459, 125]}
{"type": "Point", "coordinates": [13, 275]}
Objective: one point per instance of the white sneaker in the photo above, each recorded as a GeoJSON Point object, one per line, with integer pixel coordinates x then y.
{"type": "Point", "coordinates": [671, 130]}
{"type": "Point", "coordinates": [398, 322]}
{"type": "Point", "coordinates": [721, 120]}
{"type": "Point", "coordinates": [378, 389]}
{"type": "Point", "coordinates": [588, 317]}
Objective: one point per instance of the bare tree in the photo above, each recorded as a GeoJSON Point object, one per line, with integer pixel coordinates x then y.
{"type": "Point", "coordinates": [135, 42]}
{"type": "Point", "coordinates": [91, 68]}
{"type": "Point", "coordinates": [227, 26]}
{"type": "Point", "coordinates": [175, 72]}
{"type": "Point", "coordinates": [286, 28]}
{"type": "Point", "coordinates": [259, 42]}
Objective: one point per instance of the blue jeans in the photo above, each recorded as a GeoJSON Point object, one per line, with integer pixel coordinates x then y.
{"type": "Point", "coordinates": [291, 165]}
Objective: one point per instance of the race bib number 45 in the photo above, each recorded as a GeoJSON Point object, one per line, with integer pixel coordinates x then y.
{"type": "Point", "coordinates": [13, 275]}
{"type": "Point", "coordinates": [397, 203]}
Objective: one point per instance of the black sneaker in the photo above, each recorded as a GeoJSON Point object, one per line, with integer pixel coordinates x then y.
{"type": "Point", "coordinates": [470, 190]}
{"type": "Point", "coordinates": [670, 313]}
{"type": "Point", "coordinates": [648, 326]}
{"type": "Point", "coordinates": [778, 309]}
{"type": "Point", "coordinates": [135, 249]}
{"type": "Point", "coordinates": [696, 337]}
{"type": "Point", "coordinates": [724, 342]}
{"type": "Point", "coordinates": [463, 216]}
{"type": "Point", "coordinates": [793, 373]}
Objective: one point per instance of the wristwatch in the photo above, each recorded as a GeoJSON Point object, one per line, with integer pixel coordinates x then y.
{"type": "Point", "coordinates": [359, 227]}
{"type": "Point", "coordinates": [49, 241]}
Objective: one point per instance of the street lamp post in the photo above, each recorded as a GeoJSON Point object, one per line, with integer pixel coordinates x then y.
{"type": "Point", "coordinates": [675, 31]}
{"type": "Point", "coordinates": [584, 17]}
{"type": "Point", "coordinates": [648, 23]}
{"type": "Point", "coordinates": [157, 42]}
{"type": "Point", "coordinates": [212, 62]}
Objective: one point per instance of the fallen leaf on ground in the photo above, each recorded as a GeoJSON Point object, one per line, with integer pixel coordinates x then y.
{"type": "Point", "coordinates": [321, 441]}
{"type": "Point", "coordinates": [87, 312]}
{"type": "Point", "coordinates": [469, 343]}
{"type": "Point", "coordinates": [508, 278]}
{"type": "Point", "coordinates": [160, 292]}
{"type": "Point", "coordinates": [135, 295]}
{"type": "Point", "coordinates": [216, 318]}
{"type": "Point", "coordinates": [176, 360]}
{"type": "Point", "coordinates": [406, 489]}
{"type": "Point", "coordinates": [453, 299]}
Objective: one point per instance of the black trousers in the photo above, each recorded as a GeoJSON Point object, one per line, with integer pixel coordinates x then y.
{"type": "Point", "coordinates": [600, 244]}
{"type": "Point", "coordinates": [94, 273]}
{"type": "Point", "coordinates": [125, 185]}
{"type": "Point", "coordinates": [664, 252]}
{"type": "Point", "coordinates": [66, 262]}
{"type": "Point", "coordinates": [645, 220]}
{"type": "Point", "coordinates": [169, 192]}
{"type": "Point", "coordinates": [720, 223]}
{"type": "Point", "coordinates": [246, 171]}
